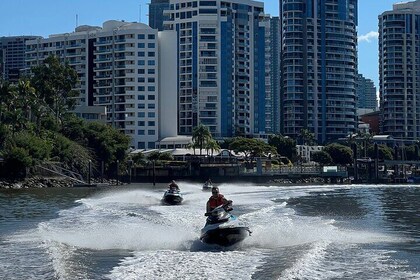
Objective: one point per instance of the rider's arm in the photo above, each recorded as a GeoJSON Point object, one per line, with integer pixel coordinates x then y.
{"type": "Point", "coordinates": [208, 207]}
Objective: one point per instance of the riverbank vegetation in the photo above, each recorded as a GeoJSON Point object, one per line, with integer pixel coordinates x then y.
{"type": "Point", "coordinates": [37, 126]}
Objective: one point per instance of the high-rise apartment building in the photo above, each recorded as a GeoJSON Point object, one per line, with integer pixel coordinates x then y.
{"type": "Point", "coordinates": [272, 74]}
{"type": "Point", "coordinates": [12, 56]}
{"type": "Point", "coordinates": [221, 62]}
{"type": "Point", "coordinates": [156, 15]}
{"type": "Point", "coordinates": [127, 68]}
{"type": "Point", "coordinates": [365, 93]}
{"type": "Point", "coordinates": [399, 70]}
{"type": "Point", "coordinates": [319, 67]}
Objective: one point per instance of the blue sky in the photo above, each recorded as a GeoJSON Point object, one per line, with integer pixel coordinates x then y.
{"type": "Point", "coordinates": [45, 17]}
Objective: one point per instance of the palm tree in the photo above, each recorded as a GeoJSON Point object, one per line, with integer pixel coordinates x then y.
{"type": "Point", "coordinates": [307, 137]}
{"type": "Point", "coordinates": [27, 98]}
{"type": "Point", "coordinates": [201, 136]}
{"type": "Point", "coordinates": [212, 145]}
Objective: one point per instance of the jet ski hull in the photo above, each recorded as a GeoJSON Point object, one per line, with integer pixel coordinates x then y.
{"type": "Point", "coordinates": [172, 198]}
{"type": "Point", "coordinates": [226, 236]}
{"type": "Point", "coordinates": [207, 187]}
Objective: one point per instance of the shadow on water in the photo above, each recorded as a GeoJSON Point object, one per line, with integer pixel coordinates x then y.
{"type": "Point", "coordinates": [198, 246]}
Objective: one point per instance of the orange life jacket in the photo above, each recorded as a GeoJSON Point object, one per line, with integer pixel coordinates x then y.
{"type": "Point", "coordinates": [216, 201]}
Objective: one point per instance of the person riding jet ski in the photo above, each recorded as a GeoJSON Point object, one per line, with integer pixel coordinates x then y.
{"type": "Point", "coordinates": [216, 199]}
{"type": "Point", "coordinates": [222, 228]}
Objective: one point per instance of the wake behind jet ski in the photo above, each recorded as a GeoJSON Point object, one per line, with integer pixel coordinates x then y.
{"type": "Point", "coordinates": [222, 228]}
{"type": "Point", "coordinates": [173, 195]}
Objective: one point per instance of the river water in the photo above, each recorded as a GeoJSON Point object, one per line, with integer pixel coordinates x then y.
{"type": "Point", "coordinates": [299, 232]}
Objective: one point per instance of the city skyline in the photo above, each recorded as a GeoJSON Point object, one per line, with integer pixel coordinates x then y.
{"type": "Point", "coordinates": [39, 18]}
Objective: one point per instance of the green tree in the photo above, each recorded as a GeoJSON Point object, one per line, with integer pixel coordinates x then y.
{"type": "Point", "coordinates": [107, 143]}
{"type": "Point", "coordinates": [322, 157]}
{"type": "Point", "coordinates": [17, 160]}
{"type": "Point", "coordinates": [201, 136]}
{"type": "Point", "coordinates": [385, 152]}
{"type": "Point", "coordinates": [307, 137]}
{"type": "Point", "coordinates": [212, 146]}
{"type": "Point", "coordinates": [251, 148]}
{"type": "Point", "coordinates": [55, 83]}
{"type": "Point", "coordinates": [156, 155]}
{"type": "Point", "coordinates": [285, 146]}
{"type": "Point", "coordinates": [340, 154]}
{"type": "Point", "coordinates": [72, 155]}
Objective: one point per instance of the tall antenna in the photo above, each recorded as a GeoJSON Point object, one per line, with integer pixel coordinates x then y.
{"type": "Point", "coordinates": [77, 20]}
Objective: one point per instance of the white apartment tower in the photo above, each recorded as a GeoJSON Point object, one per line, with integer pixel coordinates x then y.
{"type": "Point", "coordinates": [221, 65]}
{"type": "Point", "coordinates": [127, 68]}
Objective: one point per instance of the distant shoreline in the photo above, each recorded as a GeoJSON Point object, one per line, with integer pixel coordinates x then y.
{"type": "Point", "coordinates": [39, 182]}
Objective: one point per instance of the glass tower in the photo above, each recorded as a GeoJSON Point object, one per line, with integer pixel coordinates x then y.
{"type": "Point", "coordinates": [156, 16]}
{"type": "Point", "coordinates": [399, 70]}
{"type": "Point", "coordinates": [319, 67]}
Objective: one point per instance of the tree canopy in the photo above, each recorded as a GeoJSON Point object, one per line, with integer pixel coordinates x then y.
{"type": "Point", "coordinates": [285, 146]}
{"type": "Point", "coordinates": [251, 148]}
{"type": "Point", "coordinates": [340, 154]}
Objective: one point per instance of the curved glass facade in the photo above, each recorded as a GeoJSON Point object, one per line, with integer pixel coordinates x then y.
{"type": "Point", "coordinates": [399, 70]}
{"type": "Point", "coordinates": [319, 67]}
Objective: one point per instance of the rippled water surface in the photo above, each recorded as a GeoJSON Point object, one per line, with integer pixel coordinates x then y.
{"type": "Point", "coordinates": [299, 232]}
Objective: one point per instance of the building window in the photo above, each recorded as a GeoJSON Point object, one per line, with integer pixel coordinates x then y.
{"type": "Point", "coordinates": [151, 45]}
{"type": "Point", "coordinates": [141, 123]}
{"type": "Point", "coordinates": [141, 37]}
{"type": "Point", "coordinates": [151, 132]}
{"type": "Point", "coordinates": [151, 54]}
{"type": "Point", "coordinates": [150, 97]}
{"type": "Point", "coordinates": [151, 71]}
{"type": "Point", "coordinates": [141, 106]}
{"type": "Point", "coordinates": [151, 36]}
{"type": "Point", "coordinates": [151, 123]}
{"type": "Point", "coordinates": [141, 114]}
{"type": "Point", "coordinates": [140, 132]}
{"type": "Point", "coordinates": [141, 54]}
{"type": "Point", "coordinates": [141, 45]}
{"type": "Point", "coordinates": [151, 88]}
{"type": "Point", "coordinates": [151, 114]}
{"type": "Point", "coordinates": [151, 145]}
{"type": "Point", "coordinates": [141, 88]}
{"type": "Point", "coordinates": [141, 62]}
{"type": "Point", "coordinates": [141, 97]}
{"type": "Point", "coordinates": [151, 62]}
{"type": "Point", "coordinates": [151, 80]}
{"type": "Point", "coordinates": [141, 145]}
{"type": "Point", "coordinates": [151, 106]}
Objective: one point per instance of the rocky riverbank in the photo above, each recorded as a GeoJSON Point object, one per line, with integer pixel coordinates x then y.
{"type": "Point", "coordinates": [36, 182]}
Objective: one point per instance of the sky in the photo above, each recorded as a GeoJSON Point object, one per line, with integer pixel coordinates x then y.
{"type": "Point", "coordinates": [45, 17]}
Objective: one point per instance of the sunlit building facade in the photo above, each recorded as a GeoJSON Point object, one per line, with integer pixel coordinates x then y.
{"type": "Point", "coordinates": [319, 67]}
{"type": "Point", "coordinates": [129, 69]}
{"type": "Point", "coordinates": [221, 60]}
{"type": "Point", "coordinates": [399, 70]}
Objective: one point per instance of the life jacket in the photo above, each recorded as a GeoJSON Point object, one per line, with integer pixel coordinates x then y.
{"type": "Point", "coordinates": [216, 201]}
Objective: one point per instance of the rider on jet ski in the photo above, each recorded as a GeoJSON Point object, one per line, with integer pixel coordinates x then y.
{"type": "Point", "coordinates": [216, 199]}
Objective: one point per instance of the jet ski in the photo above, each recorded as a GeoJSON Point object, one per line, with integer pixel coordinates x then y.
{"type": "Point", "coordinates": [172, 197]}
{"type": "Point", "coordinates": [207, 186]}
{"type": "Point", "coordinates": [222, 228]}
